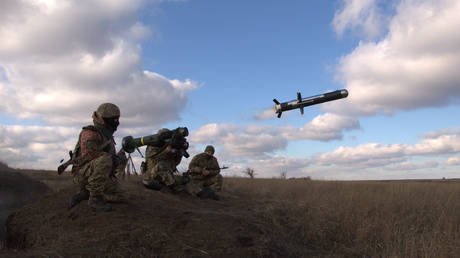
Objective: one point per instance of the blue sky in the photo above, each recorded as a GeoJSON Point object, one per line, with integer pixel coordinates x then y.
{"type": "Point", "coordinates": [215, 66]}
{"type": "Point", "coordinates": [246, 52]}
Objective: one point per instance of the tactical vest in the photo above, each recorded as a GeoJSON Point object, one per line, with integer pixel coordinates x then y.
{"type": "Point", "coordinates": [110, 147]}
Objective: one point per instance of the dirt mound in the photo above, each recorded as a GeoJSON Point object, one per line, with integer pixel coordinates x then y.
{"type": "Point", "coordinates": [151, 223]}
{"type": "Point", "coordinates": [16, 190]}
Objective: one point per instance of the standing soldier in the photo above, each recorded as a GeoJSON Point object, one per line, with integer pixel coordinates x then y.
{"type": "Point", "coordinates": [95, 161]}
{"type": "Point", "coordinates": [160, 165]}
{"type": "Point", "coordinates": [205, 171]}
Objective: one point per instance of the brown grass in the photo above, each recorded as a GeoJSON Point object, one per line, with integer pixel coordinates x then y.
{"type": "Point", "coordinates": [375, 219]}
{"type": "Point", "coordinates": [344, 219]}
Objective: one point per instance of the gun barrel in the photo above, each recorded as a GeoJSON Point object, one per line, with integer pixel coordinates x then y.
{"type": "Point", "coordinates": [304, 102]}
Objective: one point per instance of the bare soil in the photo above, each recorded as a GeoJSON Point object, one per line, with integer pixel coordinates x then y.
{"type": "Point", "coordinates": [150, 224]}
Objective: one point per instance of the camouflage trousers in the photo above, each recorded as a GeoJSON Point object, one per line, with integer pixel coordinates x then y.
{"type": "Point", "coordinates": [199, 182]}
{"type": "Point", "coordinates": [120, 172]}
{"type": "Point", "coordinates": [161, 172]}
{"type": "Point", "coordinates": [95, 176]}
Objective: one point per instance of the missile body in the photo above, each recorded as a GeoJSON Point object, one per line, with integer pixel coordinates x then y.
{"type": "Point", "coordinates": [304, 102]}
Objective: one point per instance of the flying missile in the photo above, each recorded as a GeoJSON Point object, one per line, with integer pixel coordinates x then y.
{"type": "Point", "coordinates": [304, 102]}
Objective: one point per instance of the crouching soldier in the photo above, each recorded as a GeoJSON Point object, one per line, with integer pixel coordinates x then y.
{"type": "Point", "coordinates": [205, 173]}
{"type": "Point", "coordinates": [95, 161]}
{"type": "Point", "coordinates": [160, 167]}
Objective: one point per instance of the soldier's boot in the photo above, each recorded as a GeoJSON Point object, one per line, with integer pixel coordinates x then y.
{"type": "Point", "coordinates": [77, 198]}
{"type": "Point", "coordinates": [177, 188]}
{"type": "Point", "coordinates": [208, 193]}
{"type": "Point", "coordinates": [97, 202]}
{"type": "Point", "coordinates": [152, 184]}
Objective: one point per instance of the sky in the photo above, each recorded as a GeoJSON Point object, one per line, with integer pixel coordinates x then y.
{"type": "Point", "coordinates": [215, 66]}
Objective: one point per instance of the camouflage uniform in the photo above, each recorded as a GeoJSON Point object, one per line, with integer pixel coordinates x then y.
{"type": "Point", "coordinates": [120, 172]}
{"type": "Point", "coordinates": [206, 161]}
{"type": "Point", "coordinates": [160, 166]}
{"type": "Point", "coordinates": [96, 160]}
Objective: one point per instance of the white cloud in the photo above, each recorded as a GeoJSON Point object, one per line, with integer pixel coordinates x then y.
{"type": "Point", "coordinates": [256, 140]}
{"type": "Point", "coordinates": [405, 166]}
{"type": "Point", "coordinates": [363, 16]}
{"type": "Point", "coordinates": [324, 127]}
{"type": "Point", "coordinates": [252, 140]}
{"type": "Point", "coordinates": [413, 66]}
{"type": "Point", "coordinates": [35, 147]}
{"type": "Point", "coordinates": [377, 154]}
{"type": "Point", "coordinates": [61, 59]}
{"type": "Point", "coordinates": [453, 161]}
{"type": "Point", "coordinates": [447, 131]}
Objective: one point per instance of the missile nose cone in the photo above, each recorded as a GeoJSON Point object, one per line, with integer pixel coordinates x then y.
{"type": "Point", "coordinates": [344, 93]}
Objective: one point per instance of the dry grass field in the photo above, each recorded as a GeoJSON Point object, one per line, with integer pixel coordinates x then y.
{"type": "Point", "coordinates": [369, 218]}
{"type": "Point", "coordinates": [271, 218]}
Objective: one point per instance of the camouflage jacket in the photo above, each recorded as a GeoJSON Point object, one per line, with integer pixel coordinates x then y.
{"type": "Point", "coordinates": [203, 161]}
{"type": "Point", "coordinates": [92, 144]}
{"type": "Point", "coordinates": [155, 154]}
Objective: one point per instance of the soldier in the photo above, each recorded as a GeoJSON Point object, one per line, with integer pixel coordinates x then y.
{"type": "Point", "coordinates": [160, 169]}
{"type": "Point", "coordinates": [205, 172]}
{"type": "Point", "coordinates": [95, 161]}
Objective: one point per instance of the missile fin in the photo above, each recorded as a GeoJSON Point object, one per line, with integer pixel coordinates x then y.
{"type": "Point", "coordinates": [276, 101]}
{"type": "Point", "coordinates": [279, 114]}
{"type": "Point", "coordinates": [301, 110]}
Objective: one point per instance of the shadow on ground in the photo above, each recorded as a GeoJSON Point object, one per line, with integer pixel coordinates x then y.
{"type": "Point", "coordinates": [16, 191]}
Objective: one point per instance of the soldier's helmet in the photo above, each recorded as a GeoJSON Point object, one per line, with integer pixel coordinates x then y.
{"type": "Point", "coordinates": [209, 148]}
{"type": "Point", "coordinates": [108, 110]}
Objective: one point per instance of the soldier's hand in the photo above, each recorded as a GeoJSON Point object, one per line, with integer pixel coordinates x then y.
{"type": "Point", "coordinates": [205, 172]}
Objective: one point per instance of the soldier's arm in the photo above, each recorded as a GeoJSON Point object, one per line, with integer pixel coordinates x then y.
{"type": "Point", "coordinates": [89, 144]}
{"type": "Point", "coordinates": [214, 168]}
{"type": "Point", "coordinates": [193, 167]}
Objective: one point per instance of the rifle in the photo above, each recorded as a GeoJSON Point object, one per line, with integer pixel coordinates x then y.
{"type": "Point", "coordinates": [189, 174]}
{"type": "Point", "coordinates": [73, 157]}
{"type": "Point", "coordinates": [64, 165]}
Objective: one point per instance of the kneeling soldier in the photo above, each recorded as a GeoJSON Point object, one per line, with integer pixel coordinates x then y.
{"type": "Point", "coordinates": [95, 161]}
{"type": "Point", "coordinates": [160, 165]}
{"type": "Point", "coordinates": [205, 172]}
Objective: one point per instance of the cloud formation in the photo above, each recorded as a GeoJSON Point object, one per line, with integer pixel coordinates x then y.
{"type": "Point", "coordinates": [36, 147]}
{"type": "Point", "coordinates": [360, 16]}
{"type": "Point", "coordinates": [453, 161]}
{"type": "Point", "coordinates": [259, 149]}
{"type": "Point", "coordinates": [256, 140]}
{"type": "Point", "coordinates": [61, 59]}
{"type": "Point", "coordinates": [413, 66]}
{"type": "Point", "coordinates": [377, 154]}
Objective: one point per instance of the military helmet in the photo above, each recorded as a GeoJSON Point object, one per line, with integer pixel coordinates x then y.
{"type": "Point", "coordinates": [209, 148]}
{"type": "Point", "coordinates": [108, 110]}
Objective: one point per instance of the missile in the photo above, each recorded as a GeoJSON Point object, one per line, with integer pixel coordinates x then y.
{"type": "Point", "coordinates": [304, 102]}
